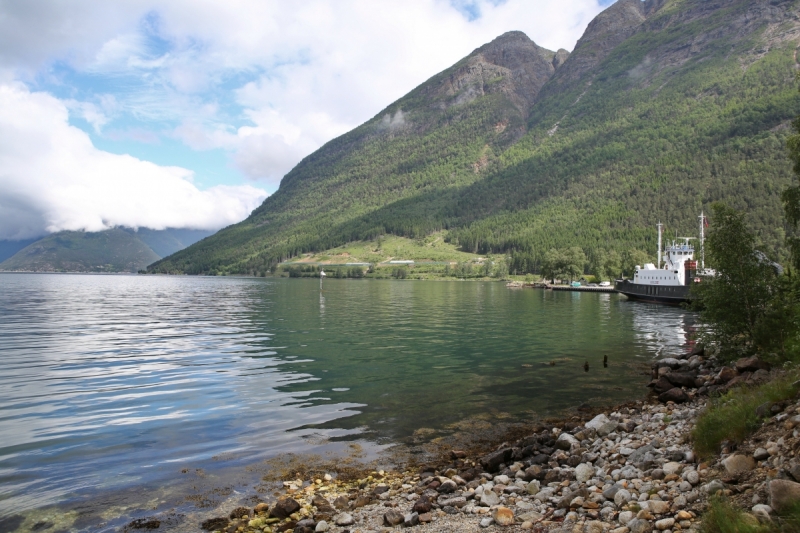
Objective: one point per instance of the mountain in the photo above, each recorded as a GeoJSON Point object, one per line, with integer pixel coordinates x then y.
{"type": "Point", "coordinates": [662, 108]}
{"type": "Point", "coordinates": [168, 241]}
{"type": "Point", "coordinates": [114, 250]}
{"type": "Point", "coordinates": [9, 248]}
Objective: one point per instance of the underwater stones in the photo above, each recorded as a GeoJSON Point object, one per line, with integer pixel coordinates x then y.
{"type": "Point", "coordinates": [213, 524]}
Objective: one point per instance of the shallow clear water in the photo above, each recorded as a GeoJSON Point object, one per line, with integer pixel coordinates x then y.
{"type": "Point", "coordinates": [109, 382]}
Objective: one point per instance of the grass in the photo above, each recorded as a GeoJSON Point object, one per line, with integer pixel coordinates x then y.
{"type": "Point", "coordinates": [732, 417]}
{"type": "Point", "coordinates": [431, 248]}
{"type": "Point", "coordinates": [722, 517]}
{"type": "Point", "coordinates": [431, 254]}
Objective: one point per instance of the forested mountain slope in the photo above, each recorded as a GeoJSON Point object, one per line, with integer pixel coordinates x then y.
{"type": "Point", "coordinates": [663, 107]}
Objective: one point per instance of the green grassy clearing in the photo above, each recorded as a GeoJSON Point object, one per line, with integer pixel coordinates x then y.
{"type": "Point", "coordinates": [430, 248]}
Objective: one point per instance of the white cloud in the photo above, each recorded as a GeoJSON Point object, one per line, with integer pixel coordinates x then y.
{"type": "Point", "coordinates": [52, 178]}
{"type": "Point", "coordinates": [89, 112]}
{"type": "Point", "coordinates": [33, 32]}
{"type": "Point", "coordinates": [325, 65]}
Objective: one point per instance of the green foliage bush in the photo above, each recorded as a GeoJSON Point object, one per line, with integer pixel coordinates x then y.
{"type": "Point", "coordinates": [732, 417]}
{"type": "Point", "coordinates": [747, 304]}
{"type": "Point", "coordinates": [722, 517]}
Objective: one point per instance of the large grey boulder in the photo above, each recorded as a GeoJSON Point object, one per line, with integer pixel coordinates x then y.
{"type": "Point", "coordinates": [670, 362]}
{"type": "Point", "coordinates": [565, 441]}
{"type": "Point", "coordinates": [751, 364]}
{"type": "Point", "coordinates": [492, 462]}
{"type": "Point", "coordinates": [676, 395]}
{"type": "Point", "coordinates": [602, 424]}
{"type": "Point", "coordinates": [783, 494]}
{"type": "Point", "coordinates": [737, 464]}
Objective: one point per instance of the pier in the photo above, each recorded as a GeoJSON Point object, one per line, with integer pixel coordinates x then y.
{"type": "Point", "coordinates": [581, 289]}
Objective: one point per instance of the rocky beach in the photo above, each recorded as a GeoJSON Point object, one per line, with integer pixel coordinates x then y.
{"type": "Point", "coordinates": [630, 469]}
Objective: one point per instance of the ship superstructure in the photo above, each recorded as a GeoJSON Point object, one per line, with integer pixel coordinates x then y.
{"type": "Point", "coordinates": [670, 280]}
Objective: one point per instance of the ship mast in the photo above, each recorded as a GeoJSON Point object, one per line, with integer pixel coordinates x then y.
{"type": "Point", "coordinates": [659, 226]}
{"type": "Point", "coordinates": [702, 241]}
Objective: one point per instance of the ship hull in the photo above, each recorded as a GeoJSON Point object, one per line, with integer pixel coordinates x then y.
{"type": "Point", "coordinates": [660, 294]}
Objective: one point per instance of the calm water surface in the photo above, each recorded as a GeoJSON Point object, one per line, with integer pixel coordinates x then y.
{"type": "Point", "coordinates": [112, 382]}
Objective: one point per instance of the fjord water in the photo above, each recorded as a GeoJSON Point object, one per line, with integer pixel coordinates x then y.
{"type": "Point", "coordinates": [115, 381]}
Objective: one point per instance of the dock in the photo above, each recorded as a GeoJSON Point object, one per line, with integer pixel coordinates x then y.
{"type": "Point", "coordinates": [581, 289]}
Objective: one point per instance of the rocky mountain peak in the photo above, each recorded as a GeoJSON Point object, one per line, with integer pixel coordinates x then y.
{"type": "Point", "coordinates": [511, 64]}
{"type": "Point", "coordinates": [560, 57]}
{"type": "Point", "coordinates": [611, 27]}
{"type": "Point", "coordinates": [512, 50]}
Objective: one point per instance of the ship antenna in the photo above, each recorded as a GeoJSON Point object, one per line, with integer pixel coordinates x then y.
{"type": "Point", "coordinates": [658, 260]}
{"type": "Point", "coordinates": [702, 241]}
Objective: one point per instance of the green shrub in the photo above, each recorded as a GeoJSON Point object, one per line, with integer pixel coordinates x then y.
{"type": "Point", "coordinates": [732, 417]}
{"type": "Point", "coordinates": [722, 517]}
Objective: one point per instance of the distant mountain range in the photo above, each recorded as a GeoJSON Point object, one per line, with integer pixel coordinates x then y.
{"type": "Point", "coordinates": [663, 107]}
{"type": "Point", "coordinates": [114, 250]}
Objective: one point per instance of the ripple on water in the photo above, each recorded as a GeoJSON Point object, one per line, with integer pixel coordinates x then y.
{"type": "Point", "coordinates": [111, 382]}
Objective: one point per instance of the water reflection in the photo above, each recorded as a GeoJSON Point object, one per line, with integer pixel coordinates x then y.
{"type": "Point", "coordinates": [669, 330]}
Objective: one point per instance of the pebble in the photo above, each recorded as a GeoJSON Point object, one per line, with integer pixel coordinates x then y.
{"type": "Point", "coordinates": [665, 523]}
{"type": "Point", "coordinates": [672, 467]}
{"type": "Point", "coordinates": [627, 471]}
{"type": "Point", "coordinates": [714, 486]}
{"type": "Point", "coordinates": [762, 511]}
{"type": "Point", "coordinates": [638, 525]}
{"type": "Point", "coordinates": [622, 497]}
{"type": "Point", "coordinates": [345, 519]}
{"type": "Point", "coordinates": [584, 472]}
{"type": "Point", "coordinates": [490, 498]}
{"type": "Point", "coordinates": [761, 454]}
{"type": "Point", "coordinates": [503, 516]}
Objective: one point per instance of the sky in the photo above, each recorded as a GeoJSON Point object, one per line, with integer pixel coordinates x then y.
{"type": "Point", "coordinates": [187, 113]}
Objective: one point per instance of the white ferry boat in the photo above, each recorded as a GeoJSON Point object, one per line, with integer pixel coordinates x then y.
{"type": "Point", "coordinates": [671, 282]}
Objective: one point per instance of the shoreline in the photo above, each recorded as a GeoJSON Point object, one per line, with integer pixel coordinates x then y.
{"type": "Point", "coordinates": [629, 468]}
